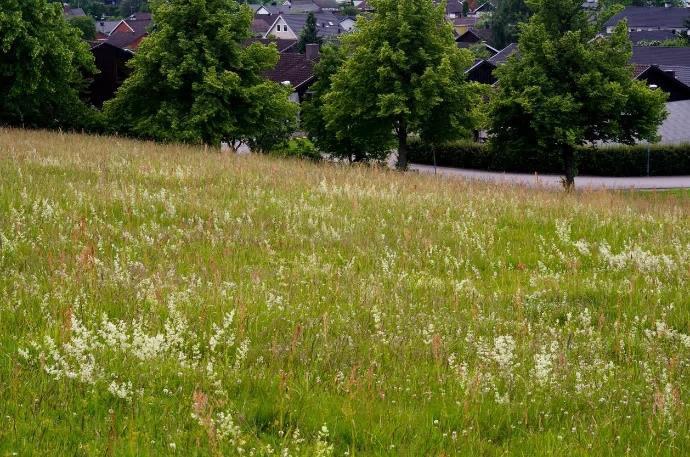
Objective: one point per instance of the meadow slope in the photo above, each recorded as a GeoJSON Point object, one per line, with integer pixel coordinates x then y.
{"type": "Point", "coordinates": [166, 300]}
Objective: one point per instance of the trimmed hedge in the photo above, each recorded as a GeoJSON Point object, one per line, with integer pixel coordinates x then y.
{"type": "Point", "coordinates": [621, 160]}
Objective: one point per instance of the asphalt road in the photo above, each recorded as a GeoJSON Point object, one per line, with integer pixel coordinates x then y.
{"type": "Point", "coordinates": [587, 182]}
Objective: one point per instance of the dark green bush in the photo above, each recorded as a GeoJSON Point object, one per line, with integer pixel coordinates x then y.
{"type": "Point", "coordinates": [621, 160]}
{"type": "Point", "coordinates": [300, 148]}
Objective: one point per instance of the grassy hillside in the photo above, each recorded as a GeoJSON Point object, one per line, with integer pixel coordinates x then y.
{"type": "Point", "coordinates": [162, 300]}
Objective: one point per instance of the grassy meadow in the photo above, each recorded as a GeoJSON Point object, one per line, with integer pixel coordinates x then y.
{"type": "Point", "coordinates": [167, 300]}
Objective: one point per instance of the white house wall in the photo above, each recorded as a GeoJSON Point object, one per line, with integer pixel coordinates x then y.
{"type": "Point", "coordinates": [281, 30]}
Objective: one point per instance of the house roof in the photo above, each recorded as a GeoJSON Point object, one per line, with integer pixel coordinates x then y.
{"type": "Point", "coordinates": [484, 7]}
{"type": "Point", "coordinates": [675, 128]}
{"type": "Point", "coordinates": [327, 24]}
{"type": "Point", "coordinates": [682, 73]}
{"type": "Point", "coordinates": [292, 67]}
{"type": "Point", "coordinates": [138, 25]}
{"type": "Point", "coordinates": [660, 55]}
{"type": "Point", "coordinates": [107, 47]}
{"type": "Point", "coordinates": [452, 7]}
{"type": "Point", "coordinates": [300, 6]}
{"type": "Point", "coordinates": [69, 12]}
{"type": "Point", "coordinates": [503, 54]}
{"type": "Point", "coordinates": [473, 35]}
{"type": "Point", "coordinates": [327, 4]}
{"type": "Point", "coordinates": [651, 35]}
{"type": "Point", "coordinates": [362, 5]}
{"type": "Point", "coordinates": [106, 27]}
{"type": "Point", "coordinates": [260, 26]}
{"type": "Point", "coordinates": [656, 17]}
{"type": "Point", "coordinates": [468, 20]}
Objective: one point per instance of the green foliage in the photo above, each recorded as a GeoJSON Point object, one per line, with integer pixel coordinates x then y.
{"type": "Point", "coordinates": [505, 20]}
{"type": "Point", "coordinates": [94, 8]}
{"type": "Point", "coordinates": [479, 51]}
{"type": "Point", "coordinates": [353, 141]}
{"type": "Point", "coordinates": [402, 73]}
{"type": "Point", "coordinates": [86, 26]}
{"type": "Point", "coordinates": [162, 300]}
{"type": "Point", "coordinates": [309, 34]}
{"type": "Point", "coordinates": [203, 85]}
{"type": "Point", "coordinates": [43, 61]}
{"type": "Point", "coordinates": [348, 9]}
{"type": "Point", "coordinates": [619, 160]}
{"type": "Point", "coordinates": [299, 148]}
{"type": "Point", "coordinates": [566, 88]}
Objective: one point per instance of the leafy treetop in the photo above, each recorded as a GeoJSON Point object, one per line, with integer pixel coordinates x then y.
{"type": "Point", "coordinates": [568, 88]}
{"type": "Point", "coordinates": [43, 60]}
{"type": "Point", "coordinates": [402, 73]}
{"type": "Point", "coordinates": [203, 85]}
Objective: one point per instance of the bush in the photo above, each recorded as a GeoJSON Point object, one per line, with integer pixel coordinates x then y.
{"type": "Point", "coordinates": [620, 160]}
{"type": "Point", "coordinates": [300, 148]}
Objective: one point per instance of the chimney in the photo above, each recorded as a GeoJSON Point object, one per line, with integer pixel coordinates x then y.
{"type": "Point", "coordinates": [311, 51]}
{"type": "Point", "coordinates": [671, 73]}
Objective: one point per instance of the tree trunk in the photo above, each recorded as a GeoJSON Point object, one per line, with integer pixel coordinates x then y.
{"type": "Point", "coordinates": [402, 145]}
{"type": "Point", "coordinates": [568, 153]}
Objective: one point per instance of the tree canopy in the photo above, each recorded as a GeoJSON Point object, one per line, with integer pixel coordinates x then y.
{"type": "Point", "coordinates": [568, 88]}
{"type": "Point", "coordinates": [402, 74]}
{"type": "Point", "coordinates": [504, 21]}
{"type": "Point", "coordinates": [309, 34]}
{"type": "Point", "coordinates": [86, 26]}
{"type": "Point", "coordinates": [203, 85]}
{"type": "Point", "coordinates": [43, 63]}
{"type": "Point", "coordinates": [359, 139]}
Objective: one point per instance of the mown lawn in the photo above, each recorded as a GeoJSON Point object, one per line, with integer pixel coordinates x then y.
{"type": "Point", "coordinates": [166, 300]}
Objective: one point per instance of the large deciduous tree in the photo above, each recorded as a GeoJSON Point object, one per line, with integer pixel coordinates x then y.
{"type": "Point", "coordinates": [504, 21]}
{"type": "Point", "coordinates": [357, 140]}
{"type": "Point", "coordinates": [195, 81]}
{"type": "Point", "coordinates": [567, 88]}
{"type": "Point", "coordinates": [43, 64]}
{"type": "Point", "coordinates": [401, 67]}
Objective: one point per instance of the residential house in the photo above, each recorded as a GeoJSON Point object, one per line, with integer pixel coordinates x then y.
{"type": "Point", "coordinates": [666, 80]}
{"type": "Point", "coordinates": [105, 28]}
{"type": "Point", "coordinates": [476, 36]}
{"type": "Point", "coordinates": [117, 41]}
{"type": "Point", "coordinates": [482, 72]}
{"type": "Point", "coordinates": [666, 58]}
{"type": "Point", "coordinates": [111, 62]}
{"type": "Point", "coordinates": [463, 24]}
{"type": "Point", "coordinates": [642, 18]}
{"type": "Point", "coordinates": [70, 12]}
{"type": "Point", "coordinates": [260, 26]}
{"type": "Point", "coordinates": [296, 70]}
{"type": "Point", "coordinates": [649, 36]}
{"type": "Point", "coordinates": [453, 8]}
{"type": "Point", "coordinates": [130, 32]}
{"type": "Point", "coordinates": [347, 23]}
{"type": "Point", "coordinates": [328, 5]}
{"type": "Point", "coordinates": [363, 6]}
{"type": "Point", "coordinates": [300, 6]}
{"type": "Point", "coordinates": [484, 8]}
{"type": "Point", "coordinates": [290, 26]}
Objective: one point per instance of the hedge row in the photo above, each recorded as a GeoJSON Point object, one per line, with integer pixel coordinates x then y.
{"type": "Point", "coordinates": [663, 160]}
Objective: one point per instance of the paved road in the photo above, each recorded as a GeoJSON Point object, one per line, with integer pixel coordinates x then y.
{"type": "Point", "coordinates": [590, 182]}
